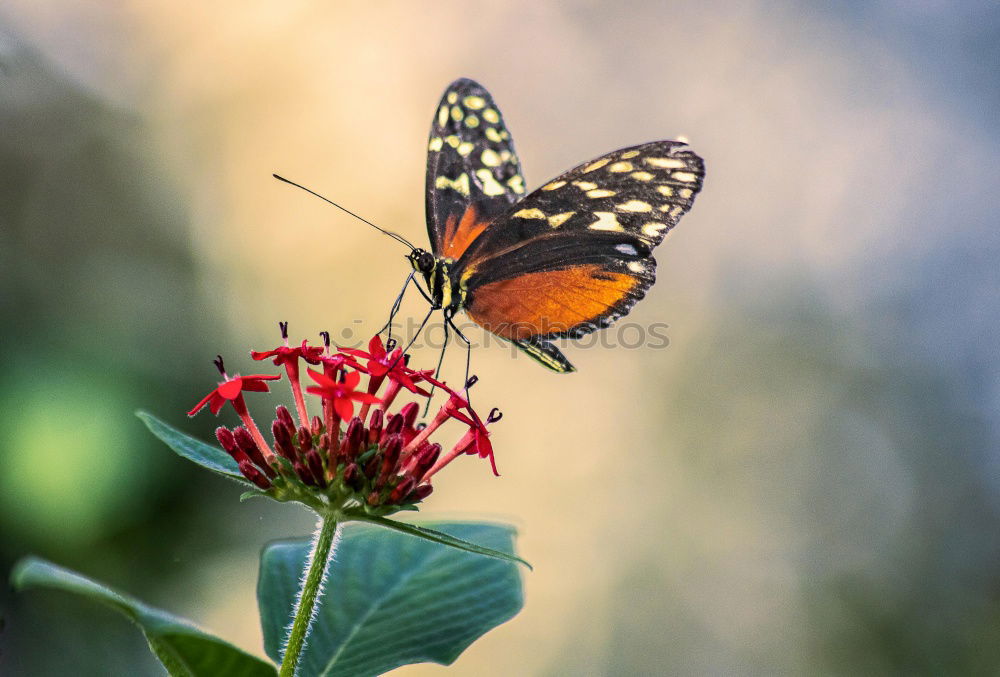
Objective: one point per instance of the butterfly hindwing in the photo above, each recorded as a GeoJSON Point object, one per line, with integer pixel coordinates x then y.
{"type": "Point", "coordinates": [559, 284]}
{"type": "Point", "coordinates": [576, 254]}
{"type": "Point", "coordinates": [473, 174]}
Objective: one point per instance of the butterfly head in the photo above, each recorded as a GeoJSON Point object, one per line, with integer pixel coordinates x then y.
{"type": "Point", "coordinates": [421, 260]}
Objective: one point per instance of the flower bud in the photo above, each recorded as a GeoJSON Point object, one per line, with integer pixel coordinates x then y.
{"type": "Point", "coordinates": [420, 493]}
{"type": "Point", "coordinates": [409, 413]}
{"type": "Point", "coordinates": [283, 415]}
{"type": "Point", "coordinates": [425, 457]}
{"type": "Point", "coordinates": [305, 439]}
{"type": "Point", "coordinates": [351, 443]}
{"type": "Point", "coordinates": [316, 425]}
{"type": "Point", "coordinates": [392, 427]}
{"type": "Point", "coordinates": [316, 467]}
{"type": "Point", "coordinates": [375, 422]}
{"type": "Point", "coordinates": [402, 490]}
{"type": "Point", "coordinates": [304, 473]}
{"type": "Point", "coordinates": [226, 439]}
{"type": "Point", "coordinates": [390, 459]}
{"type": "Point", "coordinates": [352, 476]}
{"type": "Point", "coordinates": [254, 475]}
{"type": "Point", "coordinates": [247, 445]}
{"type": "Point", "coordinates": [283, 440]}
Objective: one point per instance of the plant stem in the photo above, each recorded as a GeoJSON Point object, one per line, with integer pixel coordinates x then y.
{"type": "Point", "coordinates": [316, 568]}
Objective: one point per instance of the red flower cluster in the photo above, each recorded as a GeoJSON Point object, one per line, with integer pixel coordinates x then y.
{"type": "Point", "coordinates": [377, 460]}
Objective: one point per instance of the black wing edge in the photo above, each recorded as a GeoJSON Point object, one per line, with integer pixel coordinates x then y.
{"type": "Point", "coordinates": [545, 353]}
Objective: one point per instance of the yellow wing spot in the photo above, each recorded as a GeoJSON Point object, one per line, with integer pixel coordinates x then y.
{"type": "Point", "coordinates": [665, 208]}
{"type": "Point", "coordinates": [457, 114]}
{"type": "Point", "coordinates": [506, 155]}
{"type": "Point", "coordinates": [491, 186]}
{"type": "Point", "coordinates": [491, 133]}
{"type": "Point", "coordinates": [516, 183]}
{"type": "Point", "coordinates": [636, 267]}
{"type": "Point", "coordinates": [471, 121]}
{"type": "Point", "coordinates": [629, 155]}
{"type": "Point", "coordinates": [442, 116]}
{"type": "Point", "coordinates": [461, 184]}
{"type": "Point", "coordinates": [596, 165]}
{"type": "Point", "coordinates": [532, 213]}
{"type": "Point", "coordinates": [491, 116]}
{"type": "Point", "coordinates": [452, 140]}
{"type": "Point", "coordinates": [686, 177]}
{"type": "Point", "coordinates": [665, 162]}
{"type": "Point", "coordinates": [474, 102]}
{"type": "Point", "coordinates": [665, 190]}
{"type": "Point", "coordinates": [585, 185]}
{"type": "Point", "coordinates": [465, 148]}
{"type": "Point", "coordinates": [676, 212]}
{"type": "Point", "coordinates": [620, 167]}
{"type": "Point", "coordinates": [436, 143]}
{"type": "Point", "coordinates": [600, 192]}
{"type": "Point", "coordinates": [559, 219]}
{"type": "Point", "coordinates": [685, 192]}
{"type": "Point", "coordinates": [641, 176]}
{"type": "Point", "coordinates": [634, 206]}
{"type": "Point", "coordinates": [652, 229]}
{"type": "Point", "coordinates": [554, 185]}
{"type": "Point", "coordinates": [490, 158]}
{"type": "Point", "coordinates": [606, 221]}
{"type": "Point", "coordinates": [504, 134]}
{"type": "Point", "coordinates": [452, 97]}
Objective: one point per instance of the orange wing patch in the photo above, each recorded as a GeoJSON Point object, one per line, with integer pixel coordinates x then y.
{"type": "Point", "coordinates": [548, 303]}
{"type": "Point", "coordinates": [459, 234]}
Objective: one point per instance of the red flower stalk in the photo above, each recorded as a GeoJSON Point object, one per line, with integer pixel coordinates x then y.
{"type": "Point", "coordinates": [383, 460]}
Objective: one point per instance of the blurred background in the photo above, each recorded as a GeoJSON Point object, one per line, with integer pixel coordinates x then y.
{"type": "Point", "coordinates": [807, 480]}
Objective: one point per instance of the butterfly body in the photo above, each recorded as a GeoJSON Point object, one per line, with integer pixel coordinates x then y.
{"type": "Point", "coordinates": [561, 262]}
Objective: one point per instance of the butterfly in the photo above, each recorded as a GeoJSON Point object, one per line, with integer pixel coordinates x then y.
{"type": "Point", "coordinates": [563, 261]}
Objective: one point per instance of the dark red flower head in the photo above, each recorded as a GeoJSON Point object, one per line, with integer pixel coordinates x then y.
{"type": "Point", "coordinates": [378, 461]}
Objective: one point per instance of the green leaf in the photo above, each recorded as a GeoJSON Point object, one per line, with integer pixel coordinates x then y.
{"type": "Point", "coordinates": [439, 537]}
{"type": "Point", "coordinates": [206, 455]}
{"type": "Point", "coordinates": [391, 600]}
{"type": "Point", "coordinates": [183, 649]}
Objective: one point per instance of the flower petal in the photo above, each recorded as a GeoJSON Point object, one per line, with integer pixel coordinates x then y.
{"type": "Point", "coordinates": [344, 408]}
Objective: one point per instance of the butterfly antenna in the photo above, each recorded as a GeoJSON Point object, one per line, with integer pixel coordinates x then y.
{"type": "Point", "coordinates": [394, 236]}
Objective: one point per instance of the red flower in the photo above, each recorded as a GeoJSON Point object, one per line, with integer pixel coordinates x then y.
{"type": "Point", "coordinates": [341, 393]}
{"type": "Point", "coordinates": [288, 355]}
{"type": "Point", "coordinates": [382, 364]}
{"type": "Point", "coordinates": [231, 390]}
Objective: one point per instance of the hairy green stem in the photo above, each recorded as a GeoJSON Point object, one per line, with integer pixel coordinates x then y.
{"type": "Point", "coordinates": [318, 560]}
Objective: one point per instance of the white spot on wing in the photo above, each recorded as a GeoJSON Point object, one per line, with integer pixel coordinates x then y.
{"type": "Point", "coordinates": [665, 162]}
{"type": "Point", "coordinates": [533, 213]}
{"type": "Point", "coordinates": [490, 185]}
{"type": "Point", "coordinates": [606, 221]}
{"type": "Point", "coordinates": [634, 206]}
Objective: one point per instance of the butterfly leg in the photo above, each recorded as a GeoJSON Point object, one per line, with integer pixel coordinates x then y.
{"type": "Point", "coordinates": [395, 307]}
{"type": "Point", "coordinates": [468, 353]}
{"type": "Point", "coordinates": [437, 372]}
{"type": "Point", "coordinates": [423, 323]}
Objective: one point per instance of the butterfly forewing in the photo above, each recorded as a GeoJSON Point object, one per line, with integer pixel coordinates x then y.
{"type": "Point", "coordinates": [643, 190]}
{"type": "Point", "coordinates": [473, 174]}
